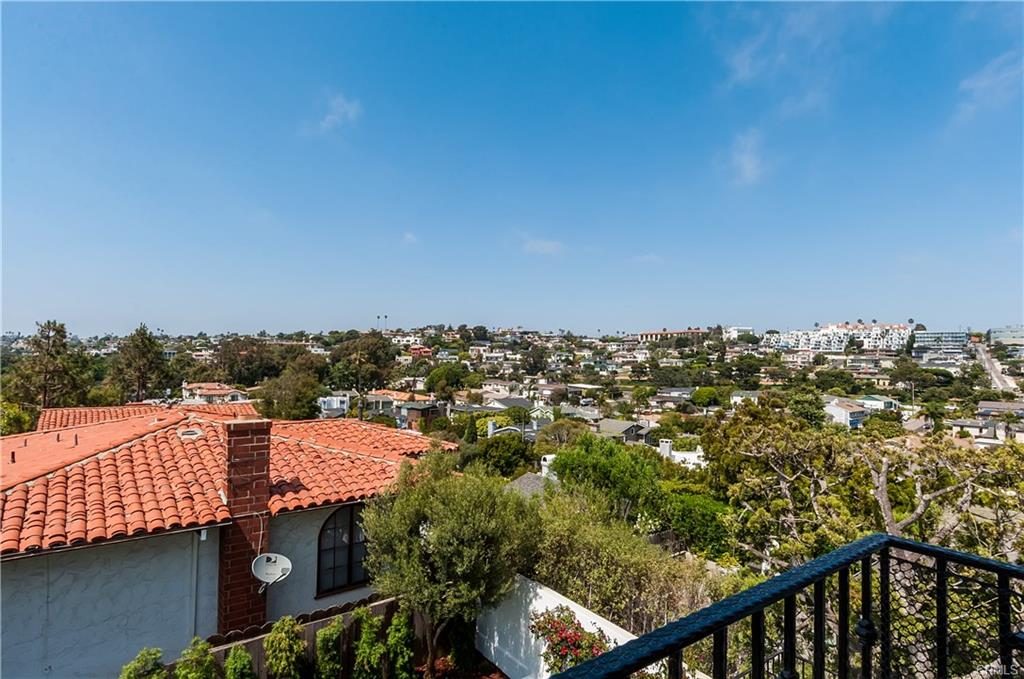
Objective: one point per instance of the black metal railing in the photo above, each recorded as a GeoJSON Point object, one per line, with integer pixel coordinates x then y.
{"type": "Point", "coordinates": [918, 611]}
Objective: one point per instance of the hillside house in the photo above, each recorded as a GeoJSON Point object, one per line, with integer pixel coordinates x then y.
{"type": "Point", "coordinates": [122, 529]}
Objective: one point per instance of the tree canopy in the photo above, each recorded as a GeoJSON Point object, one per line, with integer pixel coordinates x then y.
{"type": "Point", "coordinates": [447, 544]}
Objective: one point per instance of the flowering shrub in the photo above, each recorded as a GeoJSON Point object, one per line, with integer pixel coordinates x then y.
{"type": "Point", "coordinates": [567, 643]}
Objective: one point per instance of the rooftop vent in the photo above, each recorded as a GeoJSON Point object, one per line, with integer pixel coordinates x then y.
{"type": "Point", "coordinates": [189, 434]}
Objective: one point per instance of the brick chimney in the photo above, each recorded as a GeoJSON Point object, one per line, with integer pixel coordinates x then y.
{"type": "Point", "coordinates": [239, 603]}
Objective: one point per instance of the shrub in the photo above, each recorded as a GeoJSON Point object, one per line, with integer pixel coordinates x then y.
{"type": "Point", "coordinates": [196, 662]}
{"type": "Point", "coordinates": [399, 646]}
{"type": "Point", "coordinates": [238, 664]}
{"type": "Point", "coordinates": [370, 650]}
{"type": "Point", "coordinates": [328, 650]}
{"type": "Point", "coordinates": [148, 664]}
{"type": "Point", "coordinates": [567, 643]}
{"type": "Point", "coordinates": [697, 521]}
{"type": "Point", "coordinates": [285, 649]}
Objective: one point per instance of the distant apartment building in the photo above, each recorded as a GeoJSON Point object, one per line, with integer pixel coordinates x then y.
{"type": "Point", "coordinates": [660, 335]}
{"type": "Point", "coordinates": [834, 338]}
{"type": "Point", "coordinates": [420, 351]}
{"type": "Point", "coordinates": [1009, 335]}
{"type": "Point", "coordinates": [942, 339]}
{"type": "Point", "coordinates": [732, 333]}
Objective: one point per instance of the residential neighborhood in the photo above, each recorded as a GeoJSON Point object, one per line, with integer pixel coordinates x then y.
{"type": "Point", "coordinates": [554, 340]}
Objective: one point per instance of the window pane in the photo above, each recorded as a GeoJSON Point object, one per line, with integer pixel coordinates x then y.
{"type": "Point", "coordinates": [341, 568]}
{"type": "Point", "coordinates": [327, 536]}
{"type": "Point", "coordinates": [326, 559]}
{"type": "Point", "coordinates": [325, 580]}
{"type": "Point", "coordinates": [358, 554]}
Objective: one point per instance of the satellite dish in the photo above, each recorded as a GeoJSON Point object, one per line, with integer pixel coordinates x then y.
{"type": "Point", "coordinates": [270, 568]}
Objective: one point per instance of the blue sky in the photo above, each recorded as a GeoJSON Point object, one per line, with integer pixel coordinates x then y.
{"type": "Point", "coordinates": [613, 167]}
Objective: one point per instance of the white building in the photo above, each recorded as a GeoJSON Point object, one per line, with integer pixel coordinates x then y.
{"type": "Point", "coordinates": [732, 333]}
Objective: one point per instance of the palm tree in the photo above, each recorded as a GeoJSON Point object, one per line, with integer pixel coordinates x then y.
{"type": "Point", "coordinates": [935, 412]}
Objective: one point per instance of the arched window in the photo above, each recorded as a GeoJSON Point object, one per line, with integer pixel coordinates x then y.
{"type": "Point", "coordinates": [341, 549]}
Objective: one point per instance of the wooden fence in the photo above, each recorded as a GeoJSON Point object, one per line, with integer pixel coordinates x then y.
{"type": "Point", "coordinates": [222, 644]}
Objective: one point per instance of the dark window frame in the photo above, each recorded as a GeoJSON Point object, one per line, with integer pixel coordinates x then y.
{"type": "Point", "coordinates": [355, 512]}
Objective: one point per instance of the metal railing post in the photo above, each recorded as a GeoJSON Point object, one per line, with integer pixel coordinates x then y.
{"type": "Point", "coordinates": [941, 618]}
{"type": "Point", "coordinates": [866, 631]}
{"type": "Point", "coordinates": [884, 613]}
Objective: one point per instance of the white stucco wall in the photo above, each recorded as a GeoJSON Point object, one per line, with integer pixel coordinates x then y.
{"type": "Point", "coordinates": [295, 535]}
{"type": "Point", "coordinates": [86, 612]}
{"type": "Point", "coordinates": [503, 633]}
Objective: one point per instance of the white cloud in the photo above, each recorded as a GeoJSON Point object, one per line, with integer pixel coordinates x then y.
{"type": "Point", "coordinates": [793, 49]}
{"type": "Point", "coordinates": [748, 60]}
{"type": "Point", "coordinates": [747, 161]}
{"type": "Point", "coordinates": [409, 238]}
{"type": "Point", "coordinates": [341, 111]}
{"type": "Point", "coordinates": [539, 246]}
{"type": "Point", "coordinates": [991, 87]}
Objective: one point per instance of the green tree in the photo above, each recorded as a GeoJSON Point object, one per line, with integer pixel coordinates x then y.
{"type": "Point", "coordinates": [328, 650]}
{"type": "Point", "coordinates": [238, 664]}
{"type": "Point", "coordinates": [14, 419]}
{"type": "Point", "coordinates": [139, 364]}
{"type": "Point", "coordinates": [54, 373]}
{"type": "Point", "coordinates": [285, 649]}
{"type": "Point", "coordinates": [292, 396]}
{"type": "Point", "coordinates": [247, 361]}
{"type": "Point", "coordinates": [518, 415]}
{"type": "Point", "coordinates": [364, 362]}
{"type": "Point", "coordinates": [627, 476]}
{"type": "Point", "coordinates": [705, 396]}
{"type": "Point", "coordinates": [808, 407]}
{"type": "Point", "coordinates": [446, 544]}
{"type": "Point", "coordinates": [508, 454]}
{"type": "Point", "coordinates": [148, 664]}
{"type": "Point", "coordinates": [598, 561]}
{"type": "Point", "coordinates": [535, 362]}
{"type": "Point", "coordinates": [196, 662]}
{"type": "Point", "coordinates": [799, 492]}
{"type": "Point", "coordinates": [935, 411]}
{"type": "Point", "coordinates": [558, 434]}
{"type": "Point", "coordinates": [445, 379]}
{"type": "Point", "coordinates": [884, 425]}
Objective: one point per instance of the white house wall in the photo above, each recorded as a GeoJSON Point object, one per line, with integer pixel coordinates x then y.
{"type": "Point", "coordinates": [86, 612]}
{"type": "Point", "coordinates": [296, 535]}
{"type": "Point", "coordinates": [503, 633]}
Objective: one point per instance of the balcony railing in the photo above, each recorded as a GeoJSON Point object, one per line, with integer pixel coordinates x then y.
{"type": "Point", "coordinates": [917, 611]}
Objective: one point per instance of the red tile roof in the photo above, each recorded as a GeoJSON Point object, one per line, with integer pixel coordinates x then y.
{"type": "Point", "coordinates": [29, 456]}
{"type": "Point", "coordinates": [155, 482]}
{"type": "Point", "coordinates": [305, 475]}
{"type": "Point", "coordinates": [362, 437]}
{"type": "Point", "coordinates": [137, 476]}
{"type": "Point", "coordinates": [59, 418]}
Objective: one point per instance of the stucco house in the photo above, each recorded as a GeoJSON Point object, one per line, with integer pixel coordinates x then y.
{"type": "Point", "coordinates": [846, 412]}
{"type": "Point", "coordinates": [132, 529]}
{"type": "Point", "coordinates": [211, 392]}
{"type": "Point", "coordinates": [623, 430]}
